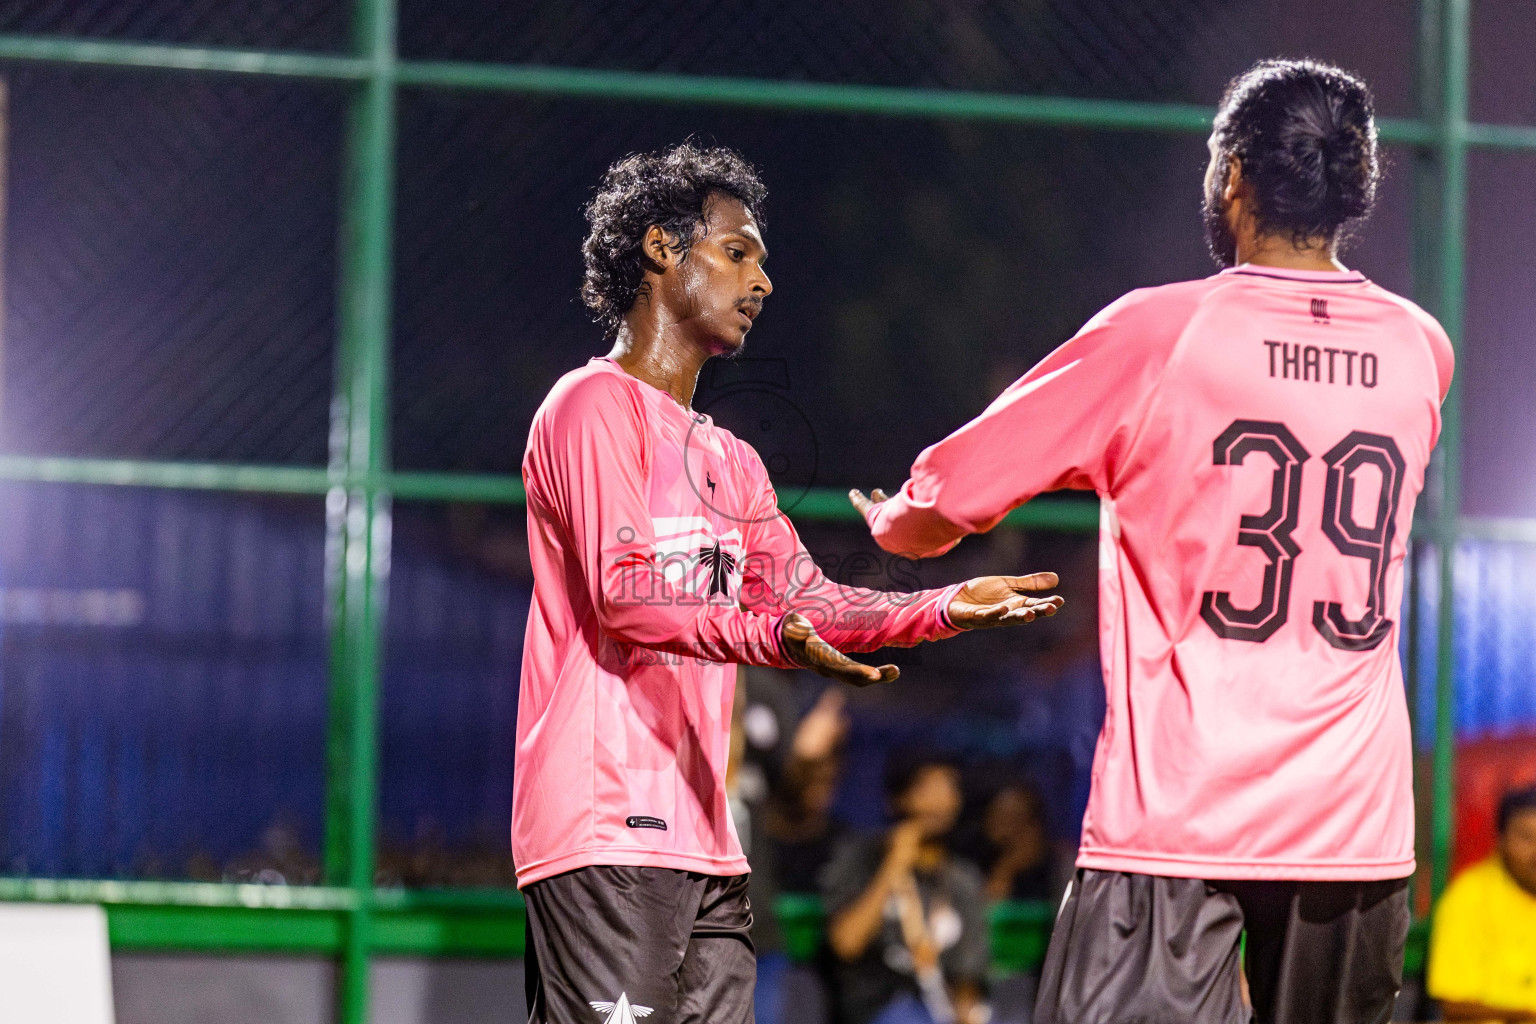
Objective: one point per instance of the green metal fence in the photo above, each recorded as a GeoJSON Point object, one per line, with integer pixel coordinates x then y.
{"type": "Point", "coordinates": [347, 917]}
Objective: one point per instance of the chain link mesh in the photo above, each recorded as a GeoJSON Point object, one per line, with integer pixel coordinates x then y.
{"type": "Point", "coordinates": [1124, 49]}
{"type": "Point", "coordinates": [285, 24]}
{"type": "Point", "coordinates": [170, 267]}
{"type": "Point", "coordinates": [912, 263]}
{"type": "Point", "coordinates": [1502, 91]}
{"type": "Point", "coordinates": [918, 267]}
{"type": "Point", "coordinates": [1023, 46]}
{"type": "Point", "coordinates": [1496, 372]}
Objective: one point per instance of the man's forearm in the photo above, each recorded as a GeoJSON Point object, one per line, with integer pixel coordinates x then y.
{"type": "Point", "coordinates": [656, 616]}
{"type": "Point", "coordinates": [852, 929]}
{"type": "Point", "coordinates": [856, 619]}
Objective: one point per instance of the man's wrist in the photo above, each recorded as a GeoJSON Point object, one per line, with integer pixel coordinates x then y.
{"type": "Point", "coordinates": [946, 598]}
{"type": "Point", "coordinates": [777, 629]}
{"type": "Point", "coordinates": [893, 868]}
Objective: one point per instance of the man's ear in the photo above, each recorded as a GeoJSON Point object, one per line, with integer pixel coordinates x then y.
{"type": "Point", "coordinates": [1234, 179]}
{"type": "Point", "coordinates": [656, 247]}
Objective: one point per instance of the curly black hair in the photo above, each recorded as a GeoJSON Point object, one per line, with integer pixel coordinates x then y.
{"type": "Point", "coordinates": [669, 189]}
{"type": "Point", "coordinates": [1305, 133]}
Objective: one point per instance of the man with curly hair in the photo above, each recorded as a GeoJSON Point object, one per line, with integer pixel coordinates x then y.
{"type": "Point", "coordinates": [660, 562]}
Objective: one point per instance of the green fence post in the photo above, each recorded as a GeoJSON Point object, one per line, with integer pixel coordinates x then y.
{"type": "Point", "coordinates": [1424, 268]}
{"type": "Point", "coordinates": [1455, 68]}
{"type": "Point", "coordinates": [1425, 214]}
{"type": "Point", "coordinates": [358, 504]}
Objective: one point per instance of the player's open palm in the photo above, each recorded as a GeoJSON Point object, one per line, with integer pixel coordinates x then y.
{"type": "Point", "coordinates": [988, 601]}
{"type": "Point", "coordinates": [808, 650]}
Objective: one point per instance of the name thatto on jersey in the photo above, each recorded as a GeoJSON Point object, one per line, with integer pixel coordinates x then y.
{"type": "Point", "coordinates": [1312, 362]}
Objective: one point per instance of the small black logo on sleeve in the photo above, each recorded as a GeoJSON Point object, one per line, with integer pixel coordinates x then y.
{"type": "Point", "coordinates": [645, 821]}
{"type": "Point", "coordinates": [1320, 311]}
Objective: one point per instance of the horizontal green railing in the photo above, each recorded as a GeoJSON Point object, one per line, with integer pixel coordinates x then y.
{"type": "Point", "coordinates": [162, 916]}
{"type": "Point", "coordinates": [654, 87]}
{"type": "Point", "coordinates": [1058, 513]}
{"type": "Point", "coordinates": [484, 922]}
{"type": "Point", "coordinates": [171, 57]}
{"type": "Point", "coordinates": [181, 475]}
{"type": "Point", "coordinates": [1074, 513]}
{"type": "Point", "coordinates": [1021, 930]}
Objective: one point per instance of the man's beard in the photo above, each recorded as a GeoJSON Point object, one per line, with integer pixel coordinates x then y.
{"type": "Point", "coordinates": [1219, 238]}
{"type": "Point", "coordinates": [731, 348]}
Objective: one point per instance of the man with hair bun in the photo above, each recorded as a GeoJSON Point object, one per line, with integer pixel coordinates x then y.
{"type": "Point", "coordinates": [1257, 440]}
{"type": "Point", "coordinates": [660, 562]}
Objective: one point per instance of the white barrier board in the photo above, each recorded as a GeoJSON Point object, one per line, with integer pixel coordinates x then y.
{"type": "Point", "coordinates": [55, 965]}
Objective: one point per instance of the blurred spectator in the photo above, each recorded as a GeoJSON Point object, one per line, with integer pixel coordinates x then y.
{"type": "Point", "coordinates": [281, 859]}
{"type": "Point", "coordinates": [1012, 847]}
{"type": "Point", "coordinates": [798, 822]}
{"type": "Point", "coordinates": [756, 726]}
{"type": "Point", "coordinates": [429, 860]}
{"type": "Point", "coordinates": [1482, 955]}
{"type": "Point", "coordinates": [907, 922]}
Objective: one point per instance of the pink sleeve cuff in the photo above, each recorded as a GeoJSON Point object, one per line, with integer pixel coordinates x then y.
{"type": "Point", "coordinates": [777, 626]}
{"type": "Point", "coordinates": [947, 626]}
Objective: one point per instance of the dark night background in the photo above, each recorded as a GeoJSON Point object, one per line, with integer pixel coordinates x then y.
{"type": "Point", "coordinates": [179, 232]}
{"type": "Point", "coordinates": [170, 257]}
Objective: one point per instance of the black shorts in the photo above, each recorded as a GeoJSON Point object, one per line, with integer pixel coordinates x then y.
{"type": "Point", "coordinates": [1153, 950]}
{"type": "Point", "coordinates": [608, 945]}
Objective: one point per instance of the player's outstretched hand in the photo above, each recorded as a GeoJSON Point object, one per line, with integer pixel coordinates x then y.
{"type": "Point", "coordinates": [864, 504]}
{"type": "Point", "coordinates": [988, 601]}
{"type": "Point", "coordinates": [808, 650]}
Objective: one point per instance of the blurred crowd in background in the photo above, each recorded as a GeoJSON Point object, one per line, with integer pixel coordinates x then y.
{"type": "Point", "coordinates": [216, 769]}
{"type": "Point", "coordinates": [972, 769]}
{"type": "Point", "coordinates": [906, 892]}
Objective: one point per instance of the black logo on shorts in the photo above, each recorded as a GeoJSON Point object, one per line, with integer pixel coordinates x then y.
{"type": "Point", "coordinates": [645, 821]}
{"type": "Point", "coordinates": [1320, 311]}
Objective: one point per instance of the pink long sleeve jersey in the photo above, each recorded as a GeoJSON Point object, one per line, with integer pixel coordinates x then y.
{"type": "Point", "coordinates": [1257, 440]}
{"type": "Point", "coordinates": [660, 560]}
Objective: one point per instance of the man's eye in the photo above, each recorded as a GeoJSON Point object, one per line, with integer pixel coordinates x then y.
{"type": "Point", "coordinates": [737, 255]}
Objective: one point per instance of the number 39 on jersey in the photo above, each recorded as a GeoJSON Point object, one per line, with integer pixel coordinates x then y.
{"type": "Point", "coordinates": [1272, 533]}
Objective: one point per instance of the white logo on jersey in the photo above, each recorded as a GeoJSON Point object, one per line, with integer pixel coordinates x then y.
{"type": "Point", "coordinates": [692, 557]}
{"type": "Point", "coordinates": [621, 1012]}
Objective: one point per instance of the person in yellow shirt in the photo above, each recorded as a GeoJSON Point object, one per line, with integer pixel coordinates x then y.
{"type": "Point", "coordinates": [1482, 951]}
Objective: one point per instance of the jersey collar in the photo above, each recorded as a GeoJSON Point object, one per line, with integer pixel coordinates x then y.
{"type": "Point", "coordinates": [665, 400]}
{"type": "Point", "coordinates": [1310, 276]}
